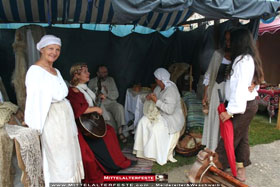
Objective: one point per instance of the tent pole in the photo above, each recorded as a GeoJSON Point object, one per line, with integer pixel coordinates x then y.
{"type": "Point", "coordinates": [278, 117]}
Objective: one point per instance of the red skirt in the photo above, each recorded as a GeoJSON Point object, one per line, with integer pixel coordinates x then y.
{"type": "Point", "coordinates": [101, 156]}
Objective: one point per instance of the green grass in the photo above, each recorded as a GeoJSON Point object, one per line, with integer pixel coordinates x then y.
{"type": "Point", "coordinates": [261, 132]}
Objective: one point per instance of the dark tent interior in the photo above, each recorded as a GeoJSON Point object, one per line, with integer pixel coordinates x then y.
{"type": "Point", "coordinates": [133, 58]}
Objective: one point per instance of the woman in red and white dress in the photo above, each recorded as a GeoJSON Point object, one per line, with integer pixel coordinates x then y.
{"type": "Point", "coordinates": [101, 155]}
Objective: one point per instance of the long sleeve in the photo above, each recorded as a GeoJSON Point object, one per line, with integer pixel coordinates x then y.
{"type": "Point", "coordinates": [110, 85]}
{"type": "Point", "coordinates": [113, 92]}
{"type": "Point", "coordinates": [157, 91]}
{"type": "Point", "coordinates": [38, 99]}
{"type": "Point", "coordinates": [237, 92]}
{"type": "Point", "coordinates": [42, 89]}
{"type": "Point", "coordinates": [168, 103]}
{"type": "Point", "coordinates": [206, 79]}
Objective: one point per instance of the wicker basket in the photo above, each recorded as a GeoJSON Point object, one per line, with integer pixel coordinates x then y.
{"type": "Point", "coordinates": [189, 144]}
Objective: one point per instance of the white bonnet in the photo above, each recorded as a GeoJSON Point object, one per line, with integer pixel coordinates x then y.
{"type": "Point", "coordinates": [163, 75]}
{"type": "Point", "coordinates": [48, 40]}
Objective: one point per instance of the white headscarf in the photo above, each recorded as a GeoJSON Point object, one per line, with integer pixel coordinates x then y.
{"type": "Point", "coordinates": [89, 95]}
{"type": "Point", "coordinates": [163, 75]}
{"type": "Point", "coordinates": [48, 40]}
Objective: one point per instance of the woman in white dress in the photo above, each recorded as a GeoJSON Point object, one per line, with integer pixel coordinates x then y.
{"type": "Point", "coordinates": [51, 115]}
{"type": "Point", "coordinates": [214, 79]}
{"type": "Point", "coordinates": [159, 129]}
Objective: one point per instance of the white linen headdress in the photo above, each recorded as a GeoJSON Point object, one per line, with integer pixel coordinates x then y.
{"type": "Point", "coordinates": [48, 40]}
{"type": "Point", "coordinates": [163, 75]}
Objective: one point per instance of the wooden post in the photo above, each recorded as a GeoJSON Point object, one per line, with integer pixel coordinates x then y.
{"type": "Point", "coordinates": [278, 117]}
{"type": "Point", "coordinates": [191, 78]}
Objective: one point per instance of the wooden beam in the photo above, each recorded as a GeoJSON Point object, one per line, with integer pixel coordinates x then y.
{"type": "Point", "coordinates": [278, 117]}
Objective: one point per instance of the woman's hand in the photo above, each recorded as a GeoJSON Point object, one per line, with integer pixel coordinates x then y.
{"type": "Point", "coordinates": [205, 96]}
{"type": "Point", "coordinates": [204, 100]}
{"type": "Point", "coordinates": [102, 97]}
{"type": "Point", "coordinates": [148, 97]}
{"type": "Point", "coordinates": [98, 110]}
{"type": "Point", "coordinates": [153, 97]}
{"type": "Point", "coordinates": [94, 109]}
{"type": "Point", "coordinates": [24, 124]}
{"type": "Point", "coordinates": [252, 87]}
{"type": "Point", "coordinates": [224, 116]}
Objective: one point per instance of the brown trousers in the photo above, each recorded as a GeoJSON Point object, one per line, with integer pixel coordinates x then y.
{"type": "Point", "coordinates": [241, 124]}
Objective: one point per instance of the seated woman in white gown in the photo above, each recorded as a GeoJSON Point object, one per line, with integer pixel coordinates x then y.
{"type": "Point", "coordinates": [159, 129]}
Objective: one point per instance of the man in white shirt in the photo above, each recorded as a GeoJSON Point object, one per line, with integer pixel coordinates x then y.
{"type": "Point", "coordinates": [110, 91]}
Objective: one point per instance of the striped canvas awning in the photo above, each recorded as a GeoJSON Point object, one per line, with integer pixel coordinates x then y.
{"type": "Point", "coordinates": [81, 11]}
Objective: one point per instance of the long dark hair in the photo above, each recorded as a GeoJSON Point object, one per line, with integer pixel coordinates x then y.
{"type": "Point", "coordinates": [242, 43]}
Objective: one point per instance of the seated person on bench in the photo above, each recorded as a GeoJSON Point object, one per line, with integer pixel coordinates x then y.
{"type": "Point", "coordinates": [100, 155]}
{"type": "Point", "coordinates": [159, 129]}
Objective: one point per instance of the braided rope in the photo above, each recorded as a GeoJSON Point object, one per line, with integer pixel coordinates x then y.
{"type": "Point", "coordinates": [210, 164]}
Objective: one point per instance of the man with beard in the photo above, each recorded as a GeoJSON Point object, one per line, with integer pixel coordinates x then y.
{"type": "Point", "coordinates": [111, 93]}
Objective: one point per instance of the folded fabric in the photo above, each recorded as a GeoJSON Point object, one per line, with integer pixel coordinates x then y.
{"type": "Point", "coordinates": [6, 110]}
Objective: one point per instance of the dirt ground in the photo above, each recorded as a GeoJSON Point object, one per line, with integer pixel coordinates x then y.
{"type": "Point", "coordinates": [264, 170]}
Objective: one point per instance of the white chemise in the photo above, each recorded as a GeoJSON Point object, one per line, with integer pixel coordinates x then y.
{"type": "Point", "coordinates": [155, 139]}
{"type": "Point", "coordinates": [50, 113]}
